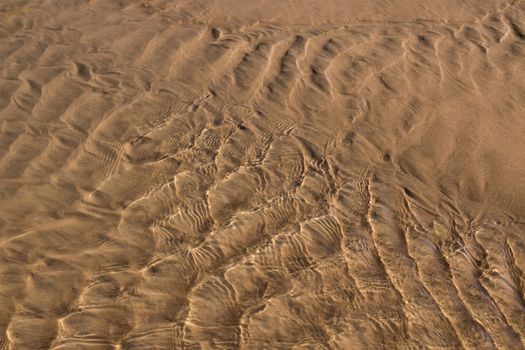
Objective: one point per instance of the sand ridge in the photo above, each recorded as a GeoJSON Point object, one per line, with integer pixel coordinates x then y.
{"type": "Point", "coordinates": [262, 175]}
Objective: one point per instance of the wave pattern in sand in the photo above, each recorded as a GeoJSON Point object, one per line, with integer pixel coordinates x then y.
{"type": "Point", "coordinates": [168, 182]}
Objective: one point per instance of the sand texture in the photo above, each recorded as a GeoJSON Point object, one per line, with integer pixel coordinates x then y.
{"type": "Point", "coordinates": [262, 174]}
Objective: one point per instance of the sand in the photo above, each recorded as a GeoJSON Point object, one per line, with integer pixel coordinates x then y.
{"type": "Point", "coordinates": [270, 174]}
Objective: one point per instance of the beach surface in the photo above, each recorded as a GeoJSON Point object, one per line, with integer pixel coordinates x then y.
{"type": "Point", "coordinates": [272, 174]}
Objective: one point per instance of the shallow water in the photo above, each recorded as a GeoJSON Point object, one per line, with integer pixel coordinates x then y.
{"type": "Point", "coordinates": [250, 175]}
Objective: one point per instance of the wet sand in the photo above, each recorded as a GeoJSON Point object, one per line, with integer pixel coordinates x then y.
{"type": "Point", "coordinates": [262, 174]}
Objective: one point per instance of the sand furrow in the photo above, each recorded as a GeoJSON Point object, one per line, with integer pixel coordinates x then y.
{"type": "Point", "coordinates": [262, 175]}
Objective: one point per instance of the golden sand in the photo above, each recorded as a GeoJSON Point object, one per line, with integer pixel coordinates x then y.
{"type": "Point", "coordinates": [270, 174]}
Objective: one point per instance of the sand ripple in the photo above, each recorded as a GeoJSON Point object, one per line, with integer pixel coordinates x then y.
{"type": "Point", "coordinates": [198, 175]}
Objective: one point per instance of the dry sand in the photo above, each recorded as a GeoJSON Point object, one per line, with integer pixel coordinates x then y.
{"type": "Point", "coordinates": [262, 174]}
